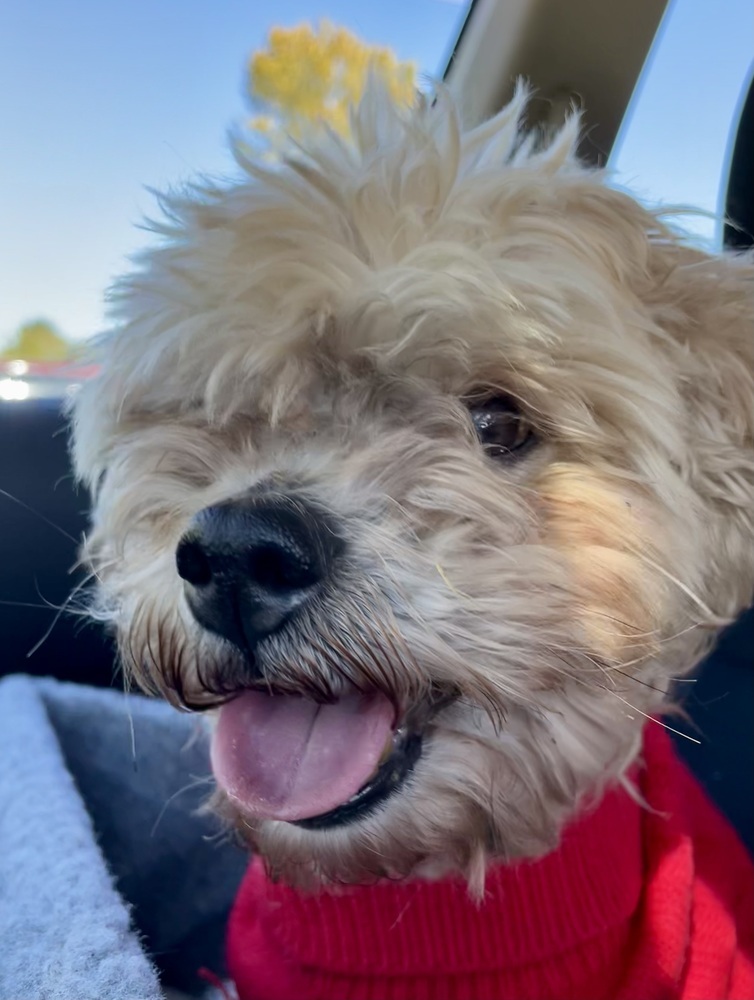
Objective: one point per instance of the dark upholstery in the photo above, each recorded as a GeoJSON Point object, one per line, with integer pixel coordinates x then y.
{"type": "Point", "coordinates": [38, 545]}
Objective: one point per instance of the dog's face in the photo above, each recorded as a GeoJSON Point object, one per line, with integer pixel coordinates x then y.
{"type": "Point", "coordinates": [430, 459]}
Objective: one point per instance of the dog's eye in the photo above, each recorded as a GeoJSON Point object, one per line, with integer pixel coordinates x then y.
{"type": "Point", "coordinates": [501, 427]}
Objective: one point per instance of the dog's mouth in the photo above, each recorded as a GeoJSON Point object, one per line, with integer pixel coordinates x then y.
{"type": "Point", "coordinates": [286, 757]}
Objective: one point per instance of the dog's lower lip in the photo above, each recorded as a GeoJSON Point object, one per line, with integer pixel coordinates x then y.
{"type": "Point", "coordinates": [390, 775]}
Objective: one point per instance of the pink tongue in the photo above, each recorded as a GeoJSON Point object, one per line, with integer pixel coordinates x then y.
{"type": "Point", "coordinates": [285, 757]}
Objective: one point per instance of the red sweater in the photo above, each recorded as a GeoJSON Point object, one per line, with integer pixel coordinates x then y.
{"type": "Point", "coordinates": [634, 905]}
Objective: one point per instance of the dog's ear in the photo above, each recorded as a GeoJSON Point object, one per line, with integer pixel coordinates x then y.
{"type": "Point", "coordinates": [706, 303]}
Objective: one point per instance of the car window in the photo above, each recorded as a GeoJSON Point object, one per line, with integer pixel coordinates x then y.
{"type": "Point", "coordinates": [674, 145]}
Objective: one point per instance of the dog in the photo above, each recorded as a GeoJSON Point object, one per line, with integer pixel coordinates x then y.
{"type": "Point", "coordinates": [424, 463]}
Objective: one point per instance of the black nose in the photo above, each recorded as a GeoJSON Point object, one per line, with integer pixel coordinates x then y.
{"type": "Point", "coordinates": [250, 564]}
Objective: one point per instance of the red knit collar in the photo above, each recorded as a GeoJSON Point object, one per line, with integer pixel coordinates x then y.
{"type": "Point", "coordinates": [655, 903]}
{"type": "Point", "coordinates": [530, 912]}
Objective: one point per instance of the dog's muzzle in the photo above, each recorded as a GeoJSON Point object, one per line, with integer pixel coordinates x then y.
{"type": "Point", "coordinates": [249, 565]}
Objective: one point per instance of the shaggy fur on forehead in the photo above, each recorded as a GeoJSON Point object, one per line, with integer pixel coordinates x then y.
{"type": "Point", "coordinates": [321, 325]}
{"type": "Point", "coordinates": [251, 275]}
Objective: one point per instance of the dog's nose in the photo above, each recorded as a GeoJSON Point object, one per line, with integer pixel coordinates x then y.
{"type": "Point", "coordinates": [250, 564]}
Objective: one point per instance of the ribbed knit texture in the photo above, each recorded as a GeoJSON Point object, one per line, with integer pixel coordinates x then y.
{"type": "Point", "coordinates": [634, 905]}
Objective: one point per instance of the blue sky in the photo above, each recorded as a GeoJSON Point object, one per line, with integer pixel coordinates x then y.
{"type": "Point", "coordinates": [100, 98]}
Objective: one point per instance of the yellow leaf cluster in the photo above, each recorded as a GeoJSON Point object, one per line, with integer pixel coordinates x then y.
{"type": "Point", "coordinates": [309, 75]}
{"type": "Point", "coordinates": [37, 341]}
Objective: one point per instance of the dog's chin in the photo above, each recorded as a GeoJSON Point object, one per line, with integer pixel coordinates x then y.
{"type": "Point", "coordinates": [365, 840]}
{"type": "Point", "coordinates": [416, 832]}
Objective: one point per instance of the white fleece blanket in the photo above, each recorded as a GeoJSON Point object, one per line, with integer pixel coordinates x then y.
{"type": "Point", "coordinates": [110, 885]}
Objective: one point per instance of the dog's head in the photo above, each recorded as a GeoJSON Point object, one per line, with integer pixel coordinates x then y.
{"type": "Point", "coordinates": [430, 458]}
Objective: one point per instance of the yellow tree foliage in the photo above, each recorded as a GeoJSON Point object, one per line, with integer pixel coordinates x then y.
{"type": "Point", "coordinates": [37, 341]}
{"type": "Point", "coordinates": [306, 76]}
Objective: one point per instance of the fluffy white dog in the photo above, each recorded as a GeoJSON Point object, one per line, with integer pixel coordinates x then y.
{"type": "Point", "coordinates": [429, 458]}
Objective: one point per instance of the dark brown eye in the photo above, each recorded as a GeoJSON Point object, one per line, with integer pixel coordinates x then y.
{"type": "Point", "coordinates": [501, 427]}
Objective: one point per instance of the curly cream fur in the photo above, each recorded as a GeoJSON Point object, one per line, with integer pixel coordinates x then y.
{"type": "Point", "coordinates": [318, 326]}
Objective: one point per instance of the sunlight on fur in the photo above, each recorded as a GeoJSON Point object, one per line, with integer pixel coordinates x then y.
{"type": "Point", "coordinates": [321, 331]}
